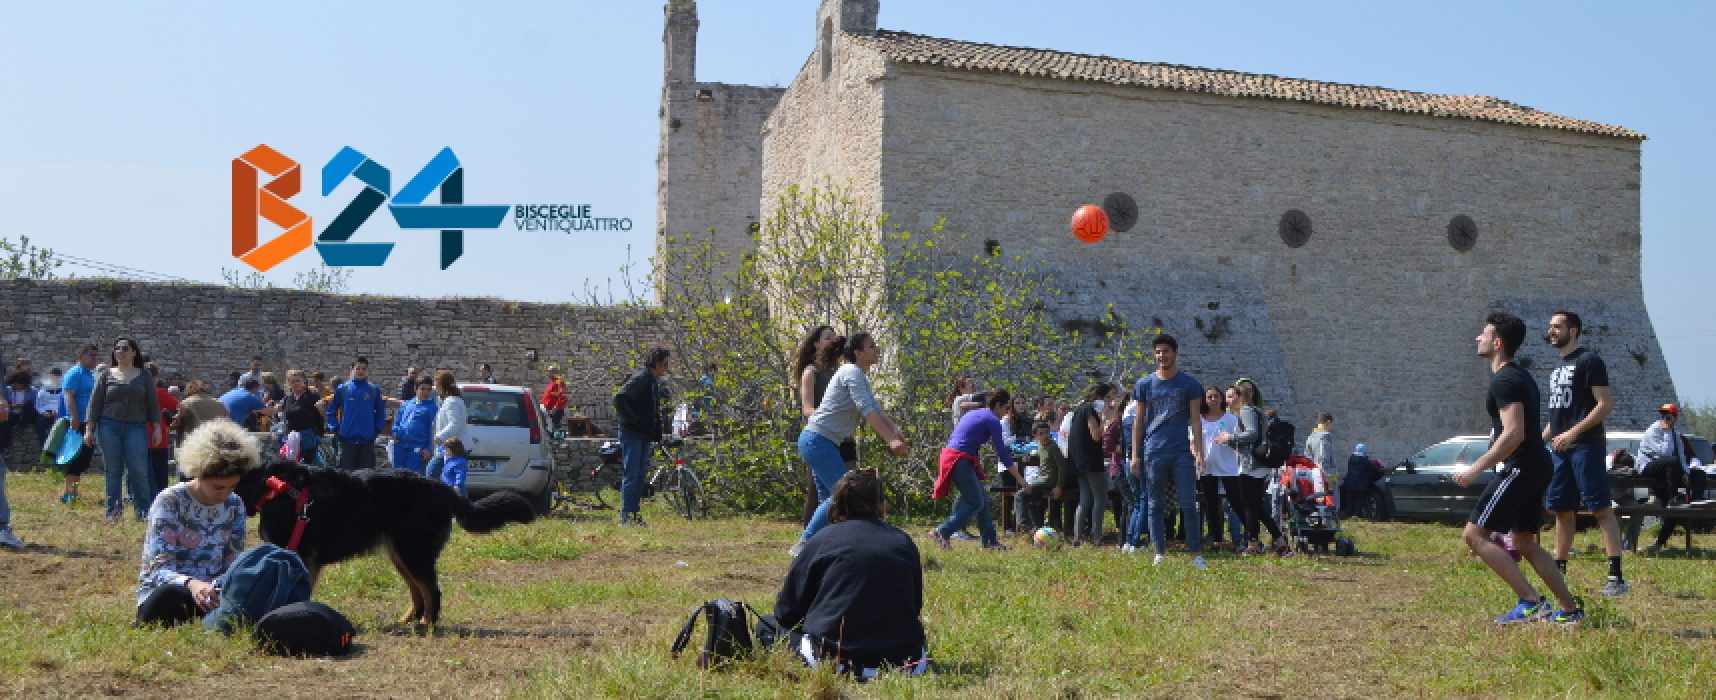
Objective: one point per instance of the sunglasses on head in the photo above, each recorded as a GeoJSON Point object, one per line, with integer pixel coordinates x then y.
{"type": "Point", "coordinates": [117, 348]}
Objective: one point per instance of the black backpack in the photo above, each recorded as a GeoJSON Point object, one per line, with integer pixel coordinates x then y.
{"type": "Point", "coordinates": [729, 634]}
{"type": "Point", "coordinates": [1276, 444]}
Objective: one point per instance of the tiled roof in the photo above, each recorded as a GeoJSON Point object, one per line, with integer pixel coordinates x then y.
{"type": "Point", "coordinates": [904, 47]}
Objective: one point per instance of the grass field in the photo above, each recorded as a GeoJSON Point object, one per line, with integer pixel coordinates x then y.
{"type": "Point", "coordinates": [581, 608]}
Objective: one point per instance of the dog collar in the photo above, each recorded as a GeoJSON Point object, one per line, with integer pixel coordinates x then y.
{"type": "Point", "coordinates": [277, 486]}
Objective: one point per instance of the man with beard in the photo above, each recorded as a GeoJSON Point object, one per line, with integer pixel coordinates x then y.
{"type": "Point", "coordinates": [1579, 400]}
{"type": "Point", "coordinates": [1513, 503]}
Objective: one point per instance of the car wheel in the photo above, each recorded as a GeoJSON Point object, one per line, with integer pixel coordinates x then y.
{"type": "Point", "coordinates": [1371, 507]}
{"type": "Point", "coordinates": [543, 501]}
{"type": "Point", "coordinates": [1344, 547]}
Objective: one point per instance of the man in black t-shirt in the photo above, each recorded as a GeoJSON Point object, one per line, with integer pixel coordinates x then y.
{"type": "Point", "coordinates": [1513, 503]}
{"type": "Point", "coordinates": [1579, 401]}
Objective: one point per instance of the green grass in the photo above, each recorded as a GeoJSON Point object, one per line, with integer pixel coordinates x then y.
{"type": "Point", "coordinates": [582, 608]}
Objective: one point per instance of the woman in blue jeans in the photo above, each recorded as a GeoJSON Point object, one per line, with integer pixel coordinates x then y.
{"type": "Point", "coordinates": [959, 468]}
{"type": "Point", "coordinates": [847, 399]}
{"type": "Point", "coordinates": [122, 411]}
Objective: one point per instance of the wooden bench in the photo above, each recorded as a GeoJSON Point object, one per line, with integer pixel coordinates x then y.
{"type": "Point", "coordinates": [1631, 512]}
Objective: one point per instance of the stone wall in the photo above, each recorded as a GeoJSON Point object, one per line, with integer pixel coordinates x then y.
{"type": "Point", "coordinates": [709, 166]}
{"type": "Point", "coordinates": [207, 332]}
{"type": "Point", "coordinates": [1373, 318]}
{"type": "Point", "coordinates": [827, 129]}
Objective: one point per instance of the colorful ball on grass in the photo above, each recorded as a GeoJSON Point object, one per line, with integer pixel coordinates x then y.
{"type": "Point", "coordinates": [1090, 223]}
{"type": "Point", "coordinates": [1046, 538]}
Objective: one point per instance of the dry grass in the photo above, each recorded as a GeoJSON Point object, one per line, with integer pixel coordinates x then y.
{"type": "Point", "coordinates": [580, 608]}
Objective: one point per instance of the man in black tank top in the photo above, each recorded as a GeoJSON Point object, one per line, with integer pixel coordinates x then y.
{"type": "Point", "coordinates": [1513, 503]}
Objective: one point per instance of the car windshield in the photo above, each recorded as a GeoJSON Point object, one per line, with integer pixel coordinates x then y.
{"type": "Point", "coordinates": [496, 408]}
{"type": "Point", "coordinates": [1439, 455]}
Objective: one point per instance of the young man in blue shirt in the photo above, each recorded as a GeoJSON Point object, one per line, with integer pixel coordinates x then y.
{"type": "Point", "coordinates": [242, 403]}
{"type": "Point", "coordinates": [76, 389]}
{"type": "Point", "coordinates": [1168, 444]}
{"type": "Point", "coordinates": [414, 429]}
{"type": "Point", "coordinates": [356, 415]}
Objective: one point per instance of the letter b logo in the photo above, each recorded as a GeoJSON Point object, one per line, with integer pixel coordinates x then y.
{"type": "Point", "coordinates": [269, 202]}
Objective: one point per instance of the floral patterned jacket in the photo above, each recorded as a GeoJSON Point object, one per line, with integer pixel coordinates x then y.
{"type": "Point", "coordinates": [187, 539]}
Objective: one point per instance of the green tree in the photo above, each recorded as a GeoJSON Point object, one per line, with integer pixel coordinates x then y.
{"type": "Point", "coordinates": [822, 257]}
{"type": "Point", "coordinates": [25, 260]}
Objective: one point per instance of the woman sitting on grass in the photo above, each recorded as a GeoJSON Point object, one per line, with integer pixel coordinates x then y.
{"type": "Point", "coordinates": [855, 594]}
{"type": "Point", "coordinates": [196, 528]}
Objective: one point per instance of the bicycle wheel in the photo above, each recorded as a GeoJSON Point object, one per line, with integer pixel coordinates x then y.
{"type": "Point", "coordinates": [561, 495]}
{"type": "Point", "coordinates": [690, 494]}
{"type": "Point", "coordinates": [670, 485]}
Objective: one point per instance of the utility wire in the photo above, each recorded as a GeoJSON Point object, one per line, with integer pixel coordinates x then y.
{"type": "Point", "coordinates": [120, 270]}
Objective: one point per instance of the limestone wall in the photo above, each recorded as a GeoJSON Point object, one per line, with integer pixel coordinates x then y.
{"type": "Point", "coordinates": [208, 331]}
{"type": "Point", "coordinates": [827, 129]}
{"type": "Point", "coordinates": [1373, 318]}
{"type": "Point", "coordinates": [709, 168]}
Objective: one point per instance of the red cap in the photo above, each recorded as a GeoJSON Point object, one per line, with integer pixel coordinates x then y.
{"type": "Point", "coordinates": [1670, 409]}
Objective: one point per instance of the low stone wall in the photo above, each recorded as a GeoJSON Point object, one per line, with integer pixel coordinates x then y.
{"type": "Point", "coordinates": [207, 332]}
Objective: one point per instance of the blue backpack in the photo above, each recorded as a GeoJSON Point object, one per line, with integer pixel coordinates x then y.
{"type": "Point", "coordinates": [262, 579]}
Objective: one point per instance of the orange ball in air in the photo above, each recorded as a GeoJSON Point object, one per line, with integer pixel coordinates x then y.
{"type": "Point", "coordinates": [1090, 223]}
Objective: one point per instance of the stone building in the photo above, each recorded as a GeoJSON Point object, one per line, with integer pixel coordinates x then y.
{"type": "Point", "coordinates": [1339, 243]}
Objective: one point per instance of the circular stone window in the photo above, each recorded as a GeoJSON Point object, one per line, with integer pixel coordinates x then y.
{"type": "Point", "coordinates": [1462, 233]}
{"type": "Point", "coordinates": [1295, 228]}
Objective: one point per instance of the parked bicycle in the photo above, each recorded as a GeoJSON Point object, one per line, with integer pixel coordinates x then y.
{"type": "Point", "coordinates": [569, 493]}
{"type": "Point", "coordinates": [683, 488]}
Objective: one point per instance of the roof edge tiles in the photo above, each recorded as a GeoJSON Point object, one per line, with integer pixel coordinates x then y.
{"type": "Point", "coordinates": [905, 47]}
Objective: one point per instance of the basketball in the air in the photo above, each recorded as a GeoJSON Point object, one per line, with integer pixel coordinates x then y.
{"type": "Point", "coordinates": [1046, 538]}
{"type": "Point", "coordinates": [1090, 223]}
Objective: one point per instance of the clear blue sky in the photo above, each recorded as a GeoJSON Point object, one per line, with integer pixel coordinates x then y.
{"type": "Point", "coordinates": [120, 119]}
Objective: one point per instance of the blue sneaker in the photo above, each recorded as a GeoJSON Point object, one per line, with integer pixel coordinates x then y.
{"type": "Point", "coordinates": [1526, 611]}
{"type": "Point", "coordinates": [1568, 617]}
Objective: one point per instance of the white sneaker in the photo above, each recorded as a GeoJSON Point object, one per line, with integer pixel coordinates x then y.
{"type": "Point", "coordinates": [1198, 563]}
{"type": "Point", "coordinates": [10, 539]}
{"type": "Point", "coordinates": [1128, 549]}
{"type": "Point", "coordinates": [795, 549]}
{"type": "Point", "coordinates": [1159, 559]}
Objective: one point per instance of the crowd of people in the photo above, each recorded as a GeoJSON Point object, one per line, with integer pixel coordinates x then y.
{"type": "Point", "coordinates": [854, 591]}
{"type": "Point", "coordinates": [1173, 437]}
{"type": "Point", "coordinates": [138, 418]}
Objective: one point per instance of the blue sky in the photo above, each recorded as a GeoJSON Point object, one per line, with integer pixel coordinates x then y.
{"type": "Point", "coordinates": [120, 119]}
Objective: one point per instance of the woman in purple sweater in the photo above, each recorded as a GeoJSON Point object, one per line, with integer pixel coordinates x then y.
{"type": "Point", "coordinates": [960, 469]}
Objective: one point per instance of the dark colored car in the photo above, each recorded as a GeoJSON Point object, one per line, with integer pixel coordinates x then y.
{"type": "Point", "coordinates": [1422, 487]}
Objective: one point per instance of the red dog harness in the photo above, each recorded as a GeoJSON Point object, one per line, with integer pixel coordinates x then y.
{"type": "Point", "coordinates": [277, 487]}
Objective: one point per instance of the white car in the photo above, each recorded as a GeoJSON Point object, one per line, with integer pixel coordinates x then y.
{"type": "Point", "coordinates": [509, 448]}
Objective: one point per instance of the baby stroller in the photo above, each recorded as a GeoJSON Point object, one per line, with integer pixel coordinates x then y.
{"type": "Point", "coordinates": [1308, 510]}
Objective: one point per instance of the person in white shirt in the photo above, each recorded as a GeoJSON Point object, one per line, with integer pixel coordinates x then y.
{"type": "Point", "coordinates": [1221, 466]}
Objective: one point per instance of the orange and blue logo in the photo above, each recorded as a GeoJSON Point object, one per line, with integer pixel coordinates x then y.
{"type": "Point", "coordinates": [251, 201]}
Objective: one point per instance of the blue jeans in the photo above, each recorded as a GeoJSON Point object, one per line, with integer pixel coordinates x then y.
{"type": "Point", "coordinates": [1140, 507]}
{"type": "Point", "coordinates": [125, 452]}
{"type": "Point", "coordinates": [972, 501]}
{"type": "Point", "coordinates": [826, 468]}
{"type": "Point", "coordinates": [1181, 467]}
{"type": "Point", "coordinates": [634, 453]}
{"type": "Point", "coordinates": [5, 505]}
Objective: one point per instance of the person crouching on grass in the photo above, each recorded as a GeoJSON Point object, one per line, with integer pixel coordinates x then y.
{"type": "Point", "coordinates": [1513, 503]}
{"type": "Point", "coordinates": [854, 595]}
{"type": "Point", "coordinates": [196, 528]}
{"type": "Point", "coordinates": [454, 469]}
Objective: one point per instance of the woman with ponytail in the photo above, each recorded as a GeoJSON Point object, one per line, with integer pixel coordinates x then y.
{"type": "Point", "coordinates": [847, 399]}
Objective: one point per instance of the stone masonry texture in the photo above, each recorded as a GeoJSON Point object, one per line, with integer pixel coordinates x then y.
{"type": "Point", "coordinates": [1372, 319]}
{"type": "Point", "coordinates": [207, 332]}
